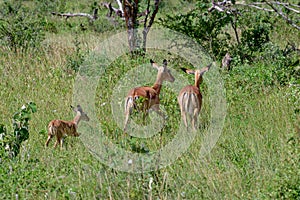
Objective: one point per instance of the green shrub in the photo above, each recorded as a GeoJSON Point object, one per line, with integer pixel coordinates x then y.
{"type": "Point", "coordinates": [20, 30]}
{"type": "Point", "coordinates": [205, 27]}
{"type": "Point", "coordinates": [11, 141]}
{"type": "Point", "coordinates": [75, 60]}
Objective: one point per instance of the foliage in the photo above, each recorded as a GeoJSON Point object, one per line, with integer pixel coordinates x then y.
{"type": "Point", "coordinates": [75, 60]}
{"type": "Point", "coordinates": [287, 178]}
{"type": "Point", "coordinates": [205, 27]}
{"type": "Point", "coordinates": [256, 157]}
{"type": "Point", "coordinates": [213, 31]}
{"type": "Point", "coordinates": [11, 141]}
{"type": "Point", "coordinates": [45, 6]}
{"type": "Point", "coordinates": [19, 30]}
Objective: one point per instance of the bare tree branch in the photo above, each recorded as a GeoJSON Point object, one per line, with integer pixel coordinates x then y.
{"type": "Point", "coordinates": [268, 6]}
{"type": "Point", "coordinates": [254, 5]}
{"type": "Point", "coordinates": [120, 5]}
{"type": "Point", "coordinates": [67, 15]}
{"type": "Point", "coordinates": [288, 20]}
{"type": "Point", "coordinates": [147, 27]}
{"type": "Point", "coordinates": [286, 4]}
{"type": "Point", "coordinates": [234, 27]}
{"type": "Point", "coordinates": [292, 9]}
{"type": "Point", "coordinates": [118, 12]}
{"type": "Point", "coordinates": [156, 4]}
{"type": "Point", "coordinates": [220, 6]}
{"type": "Point", "coordinates": [146, 18]}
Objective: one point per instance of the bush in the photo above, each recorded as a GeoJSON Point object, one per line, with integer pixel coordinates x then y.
{"type": "Point", "coordinates": [213, 30]}
{"type": "Point", "coordinates": [10, 142]}
{"type": "Point", "coordinates": [20, 31]}
{"type": "Point", "coordinates": [205, 27]}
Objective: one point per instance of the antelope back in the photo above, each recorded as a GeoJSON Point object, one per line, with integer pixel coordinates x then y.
{"type": "Point", "coordinates": [70, 129]}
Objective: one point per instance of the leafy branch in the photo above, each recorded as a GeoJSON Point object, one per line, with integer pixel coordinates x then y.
{"type": "Point", "coordinates": [10, 142]}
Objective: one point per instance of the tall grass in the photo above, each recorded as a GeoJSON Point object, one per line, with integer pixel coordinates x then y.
{"type": "Point", "coordinates": [255, 158]}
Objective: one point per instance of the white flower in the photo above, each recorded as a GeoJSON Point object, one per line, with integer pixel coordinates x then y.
{"type": "Point", "coordinates": [150, 183]}
{"type": "Point", "coordinates": [182, 194]}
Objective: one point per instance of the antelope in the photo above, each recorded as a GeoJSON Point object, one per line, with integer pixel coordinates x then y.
{"type": "Point", "coordinates": [150, 95]}
{"type": "Point", "coordinates": [190, 97]}
{"type": "Point", "coordinates": [226, 62]}
{"type": "Point", "coordinates": [61, 128]}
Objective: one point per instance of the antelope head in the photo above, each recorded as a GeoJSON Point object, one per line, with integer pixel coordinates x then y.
{"type": "Point", "coordinates": [164, 74]}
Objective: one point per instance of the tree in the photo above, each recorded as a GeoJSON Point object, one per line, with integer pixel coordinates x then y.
{"type": "Point", "coordinates": [209, 24]}
{"type": "Point", "coordinates": [128, 10]}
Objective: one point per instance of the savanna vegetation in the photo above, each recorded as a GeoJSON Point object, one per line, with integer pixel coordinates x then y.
{"type": "Point", "coordinates": [257, 155]}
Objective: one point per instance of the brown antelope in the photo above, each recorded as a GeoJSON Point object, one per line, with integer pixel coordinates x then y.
{"type": "Point", "coordinates": [226, 62]}
{"type": "Point", "coordinates": [149, 95]}
{"type": "Point", "coordinates": [190, 98]}
{"type": "Point", "coordinates": [61, 128]}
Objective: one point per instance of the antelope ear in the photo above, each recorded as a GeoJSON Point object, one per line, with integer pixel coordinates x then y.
{"type": "Point", "coordinates": [165, 63]}
{"type": "Point", "coordinates": [205, 69]}
{"type": "Point", "coordinates": [79, 108]}
{"type": "Point", "coordinates": [188, 71]}
{"type": "Point", "coordinates": [73, 108]}
{"type": "Point", "coordinates": [154, 64]}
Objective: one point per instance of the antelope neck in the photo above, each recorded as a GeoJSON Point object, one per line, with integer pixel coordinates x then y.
{"type": "Point", "coordinates": [157, 87]}
{"type": "Point", "coordinates": [198, 80]}
{"type": "Point", "coordinates": [158, 83]}
{"type": "Point", "coordinates": [77, 118]}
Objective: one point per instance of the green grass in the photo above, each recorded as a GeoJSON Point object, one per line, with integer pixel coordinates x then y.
{"type": "Point", "coordinates": [256, 156]}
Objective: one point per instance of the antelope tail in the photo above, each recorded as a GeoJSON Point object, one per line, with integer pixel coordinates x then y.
{"type": "Point", "coordinates": [129, 104]}
{"type": "Point", "coordinates": [51, 130]}
{"type": "Point", "coordinates": [188, 102]}
{"type": "Point", "coordinates": [185, 101]}
{"type": "Point", "coordinates": [194, 102]}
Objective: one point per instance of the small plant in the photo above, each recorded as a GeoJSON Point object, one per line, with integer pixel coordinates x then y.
{"type": "Point", "coordinates": [10, 142]}
{"type": "Point", "coordinates": [75, 60]}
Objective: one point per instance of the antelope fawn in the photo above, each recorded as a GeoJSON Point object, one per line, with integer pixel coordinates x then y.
{"type": "Point", "coordinates": [150, 95]}
{"type": "Point", "coordinates": [190, 97]}
{"type": "Point", "coordinates": [61, 128]}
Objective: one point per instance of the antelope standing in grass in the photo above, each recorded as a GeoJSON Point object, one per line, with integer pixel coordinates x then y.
{"type": "Point", "coordinates": [61, 128]}
{"type": "Point", "coordinates": [226, 62]}
{"type": "Point", "coordinates": [190, 97]}
{"type": "Point", "coordinates": [150, 95]}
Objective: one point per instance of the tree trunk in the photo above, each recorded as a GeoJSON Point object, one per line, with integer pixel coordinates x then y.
{"type": "Point", "coordinates": [130, 8]}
